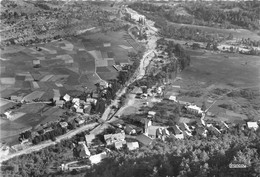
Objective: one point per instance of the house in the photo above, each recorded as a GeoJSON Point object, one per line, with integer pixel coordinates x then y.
{"type": "Point", "coordinates": [59, 103]}
{"type": "Point", "coordinates": [56, 98]}
{"type": "Point", "coordinates": [66, 97]}
{"type": "Point", "coordinates": [94, 159]}
{"type": "Point", "coordinates": [80, 110]}
{"type": "Point", "coordinates": [177, 130]}
{"type": "Point", "coordinates": [224, 124]}
{"type": "Point", "coordinates": [63, 124]}
{"type": "Point", "coordinates": [173, 98]}
{"type": "Point", "coordinates": [252, 125]}
{"type": "Point", "coordinates": [146, 140]}
{"type": "Point", "coordinates": [112, 138]}
{"type": "Point", "coordinates": [89, 138]}
{"type": "Point", "coordinates": [187, 134]}
{"type": "Point", "coordinates": [155, 131]}
{"type": "Point", "coordinates": [82, 150]}
{"type": "Point", "coordinates": [76, 101]}
{"type": "Point", "coordinates": [16, 98]}
{"type": "Point", "coordinates": [151, 114]}
{"type": "Point", "coordinates": [79, 121]}
{"type": "Point", "coordinates": [132, 145]}
{"type": "Point", "coordinates": [49, 129]}
{"type": "Point", "coordinates": [95, 95]}
{"type": "Point", "coordinates": [213, 129]}
{"type": "Point", "coordinates": [184, 127]}
{"type": "Point", "coordinates": [202, 122]}
{"type": "Point", "coordinates": [118, 145]}
{"type": "Point", "coordinates": [130, 130]}
{"type": "Point", "coordinates": [36, 62]}
{"type": "Point", "coordinates": [201, 131]}
{"type": "Point", "coordinates": [107, 44]}
{"type": "Point", "coordinates": [179, 136]}
{"type": "Point", "coordinates": [194, 109]}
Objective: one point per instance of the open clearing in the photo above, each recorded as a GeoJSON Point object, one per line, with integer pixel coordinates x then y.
{"type": "Point", "coordinates": [210, 72]}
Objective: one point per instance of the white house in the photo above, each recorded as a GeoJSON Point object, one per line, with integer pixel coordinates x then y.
{"type": "Point", "coordinates": [252, 125]}
{"type": "Point", "coordinates": [94, 159]}
{"type": "Point", "coordinates": [66, 97]}
{"type": "Point", "coordinates": [132, 145]}
{"type": "Point", "coordinates": [194, 109]}
{"type": "Point", "coordinates": [151, 113]}
{"type": "Point", "coordinates": [173, 98]}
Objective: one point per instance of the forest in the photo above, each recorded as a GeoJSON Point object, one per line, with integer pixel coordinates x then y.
{"type": "Point", "coordinates": [221, 15]}
{"type": "Point", "coordinates": [195, 156]}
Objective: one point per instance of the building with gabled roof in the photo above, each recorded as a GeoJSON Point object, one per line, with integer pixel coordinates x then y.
{"type": "Point", "coordinates": [16, 98]}
{"type": "Point", "coordinates": [119, 145]}
{"type": "Point", "coordinates": [132, 145]}
{"type": "Point", "coordinates": [82, 150]}
{"type": "Point", "coordinates": [89, 138]}
{"type": "Point", "coordinates": [112, 138]}
{"type": "Point", "coordinates": [252, 125]}
{"type": "Point", "coordinates": [59, 103]}
{"type": "Point", "coordinates": [184, 127]}
{"type": "Point", "coordinates": [177, 130]}
{"type": "Point", "coordinates": [145, 140]}
{"type": "Point", "coordinates": [95, 159]}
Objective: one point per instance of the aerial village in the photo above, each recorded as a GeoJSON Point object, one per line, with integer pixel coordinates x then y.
{"type": "Point", "coordinates": [121, 135]}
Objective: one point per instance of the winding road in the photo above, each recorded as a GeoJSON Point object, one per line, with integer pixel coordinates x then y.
{"type": "Point", "coordinates": [97, 128]}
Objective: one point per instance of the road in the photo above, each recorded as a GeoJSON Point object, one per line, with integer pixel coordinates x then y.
{"type": "Point", "coordinates": [140, 72]}
{"type": "Point", "coordinates": [49, 143]}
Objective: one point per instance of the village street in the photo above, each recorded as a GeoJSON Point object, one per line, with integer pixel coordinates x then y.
{"type": "Point", "coordinates": [140, 72]}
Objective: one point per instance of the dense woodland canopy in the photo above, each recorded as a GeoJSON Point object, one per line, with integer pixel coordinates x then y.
{"type": "Point", "coordinates": [190, 157]}
{"type": "Point", "coordinates": [224, 15]}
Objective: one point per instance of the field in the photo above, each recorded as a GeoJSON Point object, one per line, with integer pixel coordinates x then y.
{"type": "Point", "coordinates": [213, 75]}
{"type": "Point", "coordinates": [237, 33]}
{"type": "Point", "coordinates": [60, 66]}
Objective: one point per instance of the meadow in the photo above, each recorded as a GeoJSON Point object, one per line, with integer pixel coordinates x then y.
{"type": "Point", "coordinates": [60, 66]}
{"type": "Point", "coordinates": [213, 75]}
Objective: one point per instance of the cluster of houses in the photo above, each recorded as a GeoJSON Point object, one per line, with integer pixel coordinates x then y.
{"type": "Point", "coordinates": [44, 24]}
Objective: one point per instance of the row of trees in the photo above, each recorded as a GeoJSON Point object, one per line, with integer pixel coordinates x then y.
{"type": "Point", "coordinates": [49, 135]}
{"type": "Point", "coordinates": [190, 33]}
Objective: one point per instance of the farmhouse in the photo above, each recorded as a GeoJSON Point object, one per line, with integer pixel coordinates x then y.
{"type": "Point", "coordinates": [82, 150]}
{"type": "Point", "coordinates": [59, 103]}
{"type": "Point", "coordinates": [146, 140]}
{"type": "Point", "coordinates": [16, 98]}
{"type": "Point", "coordinates": [130, 130]}
{"type": "Point", "coordinates": [66, 97]}
{"type": "Point", "coordinates": [118, 145]}
{"type": "Point", "coordinates": [194, 109]}
{"type": "Point", "coordinates": [89, 138]}
{"type": "Point", "coordinates": [156, 131]}
{"type": "Point", "coordinates": [132, 145]}
{"type": "Point", "coordinates": [94, 159]}
{"type": "Point", "coordinates": [112, 138]}
{"type": "Point", "coordinates": [252, 125]}
{"type": "Point", "coordinates": [151, 114]}
{"type": "Point", "coordinates": [36, 62]}
{"type": "Point", "coordinates": [184, 127]}
{"type": "Point", "coordinates": [107, 44]}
